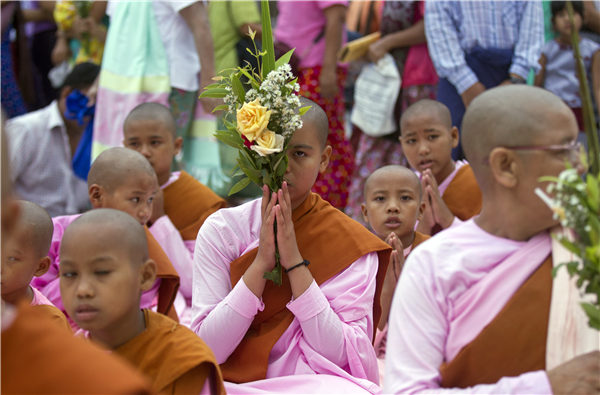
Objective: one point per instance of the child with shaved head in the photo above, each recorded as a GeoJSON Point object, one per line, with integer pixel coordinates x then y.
{"type": "Point", "coordinates": [182, 204]}
{"type": "Point", "coordinates": [320, 322]}
{"type": "Point", "coordinates": [123, 180]}
{"type": "Point", "coordinates": [471, 310]}
{"type": "Point", "coordinates": [105, 267]}
{"type": "Point", "coordinates": [24, 256]}
{"type": "Point", "coordinates": [393, 205]}
{"type": "Point", "coordinates": [450, 191]}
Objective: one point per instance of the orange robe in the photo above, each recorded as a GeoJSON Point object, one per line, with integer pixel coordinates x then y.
{"type": "Point", "coordinates": [462, 196]}
{"type": "Point", "coordinates": [188, 203]}
{"type": "Point", "coordinates": [513, 343]}
{"type": "Point", "coordinates": [169, 279]}
{"type": "Point", "coordinates": [318, 227]}
{"type": "Point", "coordinates": [40, 357]}
{"type": "Point", "coordinates": [54, 314]}
{"type": "Point", "coordinates": [173, 357]}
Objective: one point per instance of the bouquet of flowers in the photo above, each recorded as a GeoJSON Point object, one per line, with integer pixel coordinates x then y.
{"type": "Point", "coordinates": [260, 122]}
{"type": "Point", "coordinates": [576, 204]}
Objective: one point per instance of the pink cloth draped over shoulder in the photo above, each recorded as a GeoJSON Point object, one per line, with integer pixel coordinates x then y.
{"type": "Point", "coordinates": [450, 289]}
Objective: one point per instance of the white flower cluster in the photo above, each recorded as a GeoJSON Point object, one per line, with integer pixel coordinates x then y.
{"type": "Point", "coordinates": [230, 100]}
{"type": "Point", "coordinates": [278, 93]}
{"type": "Point", "coordinates": [566, 201]}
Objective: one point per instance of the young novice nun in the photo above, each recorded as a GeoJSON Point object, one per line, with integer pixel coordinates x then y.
{"type": "Point", "coordinates": [104, 269]}
{"type": "Point", "coordinates": [183, 203]}
{"type": "Point", "coordinates": [471, 307]}
{"type": "Point", "coordinates": [322, 318]}
{"type": "Point", "coordinates": [37, 355]}
{"type": "Point", "coordinates": [120, 179]}
{"type": "Point", "coordinates": [24, 256]}
{"type": "Point", "coordinates": [450, 191]}
{"type": "Point", "coordinates": [393, 205]}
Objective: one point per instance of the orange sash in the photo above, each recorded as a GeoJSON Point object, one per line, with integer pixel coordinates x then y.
{"type": "Point", "coordinates": [188, 203]}
{"type": "Point", "coordinates": [54, 314]}
{"type": "Point", "coordinates": [419, 238]}
{"type": "Point", "coordinates": [463, 196]}
{"type": "Point", "coordinates": [167, 352]}
{"type": "Point", "coordinates": [169, 279]}
{"type": "Point", "coordinates": [513, 343]}
{"type": "Point", "coordinates": [331, 241]}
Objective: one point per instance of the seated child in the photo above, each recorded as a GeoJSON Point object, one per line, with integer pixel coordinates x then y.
{"type": "Point", "coordinates": [393, 205]}
{"type": "Point", "coordinates": [124, 180]}
{"type": "Point", "coordinates": [184, 203]}
{"type": "Point", "coordinates": [320, 322]}
{"type": "Point", "coordinates": [105, 267]}
{"type": "Point", "coordinates": [24, 256]}
{"type": "Point", "coordinates": [450, 191]}
{"type": "Point", "coordinates": [558, 71]}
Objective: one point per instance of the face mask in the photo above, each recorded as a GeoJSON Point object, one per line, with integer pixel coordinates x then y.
{"type": "Point", "coordinates": [77, 108]}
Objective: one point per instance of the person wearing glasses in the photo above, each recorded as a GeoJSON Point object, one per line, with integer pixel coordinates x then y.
{"type": "Point", "coordinates": [472, 306]}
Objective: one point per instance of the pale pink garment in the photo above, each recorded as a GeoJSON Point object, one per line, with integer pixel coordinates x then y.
{"type": "Point", "coordinates": [333, 325]}
{"type": "Point", "coordinates": [451, 287]}
{"type": "Point", "coordinates": [381, 336]}
{"type": "Point", "coordinates": [49, 283]}
{"type": "Point", "coordinates": [39, 298]}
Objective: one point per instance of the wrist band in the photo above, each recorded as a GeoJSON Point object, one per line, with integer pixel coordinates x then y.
{"type": "Point", "coordinates": [303, 263]}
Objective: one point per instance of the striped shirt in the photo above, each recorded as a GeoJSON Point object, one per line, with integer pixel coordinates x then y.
{"type": "Point", "coordinates": [453, 28]}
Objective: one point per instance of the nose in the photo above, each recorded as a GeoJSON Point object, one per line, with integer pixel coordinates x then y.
{"type": "Point", "coordinates": [393, 206]}
{"type": "Point", "coordinates": [144, 150]}
{"type": "Point", "coordinates": [144, 212]}
{"type": "Point", "coordinates": [84, 288]}
{"type": "Point", "coordinates": [423, 148]}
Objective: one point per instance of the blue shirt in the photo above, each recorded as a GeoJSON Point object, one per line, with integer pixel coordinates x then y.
{"type": "Point", "coordinates": [453, 28]}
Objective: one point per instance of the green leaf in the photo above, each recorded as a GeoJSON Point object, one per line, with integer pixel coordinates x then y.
{"type": "Point", "coordinates": [304, 110]}
{"type": "Point", "coordinates": [251, 78]}
{"type": "Point", "coordinates": [593, 190]}
{"type": "Point", "coordinates": [274, 275]}
{"type": "Point", "coordinates": [220, 107]}
{"type": "Point", "coordinates": [569, 245]}
{"type": "Point", "coordinates": [241, 184]}
{"type": "Point", "coordinates": [238, 88]}
{"type": "Point", "coordinates": [285, 58]}
{"type": "Point", "coordinates": [218, 93]}
{"type": "Point", "coordinates": [215, 85]}
{"type": "Point", "coordinates": [230, 138]}
{"type": "Point", "coordinates": [593, 313]}
{"type": "Point", "coordinates": [268, 60]}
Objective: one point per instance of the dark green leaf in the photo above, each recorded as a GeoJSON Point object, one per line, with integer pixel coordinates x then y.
{"type": "Point", "coordinates": [230, 138]}
{"type": "Point", "coordinates": [268, 60]}
{"type": "Point", "coordinates": [223, 107]}
{"type": "Point", "coordinates": [274, 275]}
{"type": "Point", "coordinates": [285, 58]}
{"type": "Point", "coordinates": [238, 88]}
{"type": "Point", "coordinates": [593, 313]}
{"type": "Point", "coordinates": [241, 184]}
{"type": "Point", "coordinates": [215, 93]}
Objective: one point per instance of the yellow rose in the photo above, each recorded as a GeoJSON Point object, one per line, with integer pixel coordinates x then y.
{"type": "Point", "coordinates": [268, 143]}
{"type": "Point", "coordinates": [252, 119]}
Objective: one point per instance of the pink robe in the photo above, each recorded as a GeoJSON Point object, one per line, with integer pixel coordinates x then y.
{"type": "Point", "coordinates": [333, 326]}
{"type": "Point", "coordinates": [450, 289]}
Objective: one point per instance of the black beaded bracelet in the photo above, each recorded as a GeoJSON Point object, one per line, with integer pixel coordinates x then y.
{"type": "Point", "coordinates": [303, 263]}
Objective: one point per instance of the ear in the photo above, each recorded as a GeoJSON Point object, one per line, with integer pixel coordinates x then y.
{"type": "Point", "coordinates": [363, 209]}
{"type": "Point", "coordinates": [178, 145]}
{"type": "Point", "coordinates": [421, 210]}
{"type": "Point", "coordinates": [147, 275]}
{"type": "Point", "coordinates": [43, 266]}
{"type": "Point", "coordinates": [325, 155]}
{"type": "Point", "coordinates": [454, 135]}
{"type": "Point", "coordinates": [97, 195]}
{"type": "Point", "coordinates": [504, 167]}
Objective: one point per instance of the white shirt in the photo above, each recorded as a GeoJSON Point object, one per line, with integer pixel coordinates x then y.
{"type": "Point", "coordinates": [184, 64]}
{"type": "Point", "coordinates": [40, 162]}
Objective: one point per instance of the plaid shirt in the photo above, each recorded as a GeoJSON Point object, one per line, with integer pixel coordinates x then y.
{"type": "Point", "coordinates": [453, 28]}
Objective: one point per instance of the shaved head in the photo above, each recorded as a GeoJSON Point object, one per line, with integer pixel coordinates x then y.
{"type": "Point", "coordinates": [37, 224]}
{"type": "Point", "coordinates": [152, 111]}
{"type": "Point", "coordinates": [317, 117]}
{"type": "Point", "coordinates": [514, 115]}
{"type": "Point", "coordinates": [116, 166]}
{"type": "Point", "coordinates": [429, 108]}
{"type": "Point", "coordinates": [114, 228]}
{"type": "Point", "coordinates": [382, 174]}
